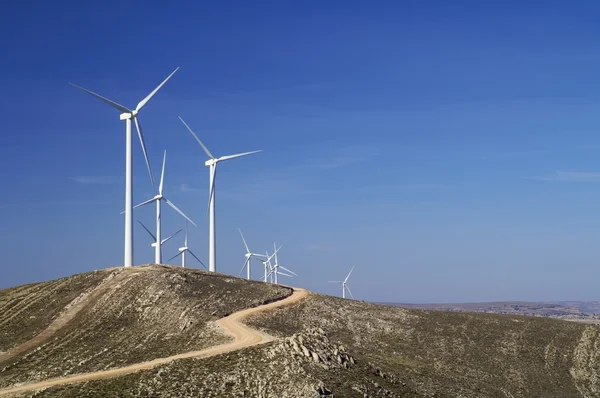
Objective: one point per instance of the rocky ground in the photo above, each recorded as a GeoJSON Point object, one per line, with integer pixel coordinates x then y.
{"type": "Point", "coordinates": [27, 310]}
{"type": "Point", "coordinates": [143, 313]}
{"type": "Point", "coordinates": [326, 347]}
{"type": "Point", "coordinates": [432, 353]}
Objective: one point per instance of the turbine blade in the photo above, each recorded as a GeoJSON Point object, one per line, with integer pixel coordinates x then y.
{"type": "Point", "coordinates": [149, 96]}
{"type": "Point", "coordinates": [186, 228]}
{"type": "Point", "coordinates": [237, 155]}
{"type": "Point", "coordinates": [197, 139]}
{"type": "Point", "coordinates": [200, 261]}
{"type": "Point", "coordinates": [245, 244]}
{"type": "Point", "coordinates": [259, 256]}
{"type": "Point", "coordinates": [175, 256]}
{"type": "Point", "coordinates": [142, 204]}
{"type": "Point", "coordinates": [349, 291]}
{"type": "Point", "coordinates": [349, 274]}
{"type": "Point", "coordinates": [291, 272]}
{"type": "Point", "coordinates": [141, 135]}
{"type": "Point", "coordinates": [147, 230]}
{"type": "Point", "coordinates": [284, 274]}
{"type": "Point", "coordinates": [120, 107]}
{"type": "Point", "coordinates": [244, 267]}
{"type": "Point", "coordinates": [178, 211]}
{"type": "Point", "coordinates": [166, 239]}
{"type": "Point", "coordinates": [274, 253]}
{"type": "Point", "coordinates": [162, 175]}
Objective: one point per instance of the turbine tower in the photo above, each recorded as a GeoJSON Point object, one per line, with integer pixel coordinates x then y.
{"type": "Point", "coordinates": [128, 115]}
{"type": "Point", "coordinates": [249, 255]}
{"type": "Point", "coordinates": [158, 199]}
{"type": "Point", "coordinates": [184, 249]}
{"type": "Point", "coordinates": [345, 285]}
{"type": "Point", "coordinates": [275, 271]}
{"type": "Point", "coordinates": [212, 163]}
{"type": "Point", "coordinates": [154, 237]}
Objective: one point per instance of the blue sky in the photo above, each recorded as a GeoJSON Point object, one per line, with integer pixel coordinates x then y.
{"type": "Point", "coordinates": [449, 151]}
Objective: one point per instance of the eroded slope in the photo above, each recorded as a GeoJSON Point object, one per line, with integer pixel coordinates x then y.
{"type": "Point", "coordinates": [148, 312]}
{"type": "Point", "coordinates": [452, 354]}
{"type": "Point", "coordinates": [26, 311]}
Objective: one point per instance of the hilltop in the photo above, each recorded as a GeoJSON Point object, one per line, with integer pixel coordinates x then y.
{"type": "Point", "coordinates": [321, 345]}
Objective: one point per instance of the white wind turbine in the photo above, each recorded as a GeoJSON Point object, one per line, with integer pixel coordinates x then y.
{"type": "Point", "coordinates": [267, 264]}
{"type": "Point", "coordinates": [184, 249]}
{"type": "Point", "coordinates": [128, 115]}
{"type": "Point", "coordinates": [158, 199]}
{"type": "Point", "coordinates": [212, 163]}
{"type": "Point", "coordinates": [345, 285]}
{"type": "Point", "coordinates": [154, 237]}
{"type": "Point", "coordinates": [249, 255]}
{"type": "Point", "coordinates": [275, 270]}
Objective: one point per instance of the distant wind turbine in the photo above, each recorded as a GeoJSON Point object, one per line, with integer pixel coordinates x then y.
{"type": "Point", "coordinates": [212, 163]}
{"type": "Point", "coordinates": [249, 255]}
{"type": "Point", "coordinates": [345, 285]}
{"type": "Point", "coordinates": [275, 271]}
{"type": "Point", "coordinates": [158, 199]}
{"type": "Point", "coordinates": [154, 237]}
{"type": "Point", "coordinates": [267, 264]}
{"type": "Point", "coordinates": [184, 249]}
{"type": "Point", "coordinates": [128, 115]}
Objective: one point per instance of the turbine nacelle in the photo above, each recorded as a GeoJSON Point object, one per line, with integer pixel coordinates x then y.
{"type": "Point", "coordinates": [131, 115]}
{"type": "Point", "coordinates": [182, 249]}
{"type": "Point", "coordinates": [211, 162]}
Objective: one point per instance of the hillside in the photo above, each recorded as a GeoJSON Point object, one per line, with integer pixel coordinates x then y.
{"type": "Point", "coordinates": [326, 346]}
{"type": "Point", "coordinates": [132, 315]}
{"type": "Point", "coordinates": [576, 311]}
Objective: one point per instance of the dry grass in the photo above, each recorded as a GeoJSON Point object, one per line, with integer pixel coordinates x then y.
{"type": "Point", "coordinates": [148, 312]}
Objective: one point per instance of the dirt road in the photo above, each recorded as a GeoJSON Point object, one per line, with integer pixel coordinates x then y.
{"type": "Point", "coordinates": [243, 336]}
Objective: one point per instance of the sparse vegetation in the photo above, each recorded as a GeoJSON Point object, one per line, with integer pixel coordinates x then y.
{"type": "Point", "coordinates": [148, 312]}
{"type": "Point", "coordinates": [326, 347]}
{"type": "Point", "coordinates": [27, 310]}
{"type": "Point", "coordinates": [454, 354]}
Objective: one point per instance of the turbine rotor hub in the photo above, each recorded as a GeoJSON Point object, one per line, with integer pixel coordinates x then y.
{"type": "Point", "coordinates": [127, 115]}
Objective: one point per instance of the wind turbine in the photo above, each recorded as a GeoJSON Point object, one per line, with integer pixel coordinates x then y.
{"type": "Point", "coordinates": [154, 237]}
{"type": "Point", "coordinates": [275, 271]}
{"type": "Point", "coordinates": [184, 249]}
{"type": "Point", "coordinates": [212, 163]}
{"type": "Point", "coordinates": [267, 263]}
{"type": "Point", "coordinates": [128, 115]}
{"type": "Point", "coordinates": [158, 199]}
{"type": "Point", "coordinates": [249, 255]}
{"type": "Point", "coordinates": [345, 285]}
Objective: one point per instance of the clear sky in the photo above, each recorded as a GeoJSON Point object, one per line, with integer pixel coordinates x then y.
{"type": "Point", "coordinates": [448, 150]}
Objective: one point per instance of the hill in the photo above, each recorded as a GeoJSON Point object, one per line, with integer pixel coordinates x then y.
{"type": "Point", "coordinates": [576, 311]}
{"type": "Point", "coordinates": [323, 346]}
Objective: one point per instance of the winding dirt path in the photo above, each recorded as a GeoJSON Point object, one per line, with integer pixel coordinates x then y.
{"type": "Point", "coordinates": [243, 336]}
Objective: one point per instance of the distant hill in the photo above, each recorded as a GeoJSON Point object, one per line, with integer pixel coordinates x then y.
{"type": "Point", "coordinates": [577, 311]}
{"type": "Point", "coordinates": [323, 346]}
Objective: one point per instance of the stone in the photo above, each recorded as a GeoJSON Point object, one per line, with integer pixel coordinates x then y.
{"type": "Point", "coordinates": [316, 357]}
{"type": "Point", "coordinates": [305, 351]}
